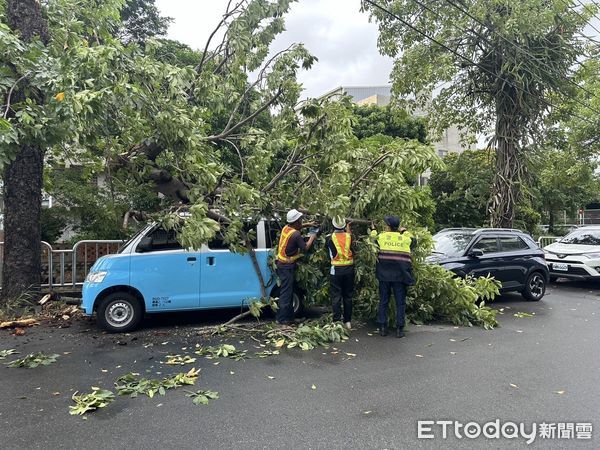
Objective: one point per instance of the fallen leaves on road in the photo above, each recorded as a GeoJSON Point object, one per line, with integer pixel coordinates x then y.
{"type": "Point", "coordinates": [560, 392]}
{"type": "Point", "coordinates": [34, 360]}
{"type": "Point", "coordinates": [98, 398]}
{"type": "Point", "coordinates": [178, 360]}
{"type": "Point", "coordinates": [7, 352]}
{"type": "Point", "coordinates": [202, 397]}
{"type": "Point", "coordinates": [521, 315]}
{"type": "Point", "coordinates": [270, 377]}
{"type": "Point", "coordinates": [266, 353]}
{"type": "Point", "coordinates": [313, 387]}
{"type": "Point", "coordinates": [514, 386]}
{"type": "Point", "coordinates": [221, 351]}
{"type": "Point", "coordinates": [419, 356]}
{"type": "Point", "coordinates": [130, 384]}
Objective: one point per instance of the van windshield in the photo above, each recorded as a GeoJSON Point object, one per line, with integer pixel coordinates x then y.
{"type": "Point", "coordinates": [133, 238]}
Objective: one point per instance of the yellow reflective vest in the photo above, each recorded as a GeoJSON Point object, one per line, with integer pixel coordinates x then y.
{"type": "Point", "coordinates": [342, 242]}
{"type": "Point", "coordinates": [286, 234]}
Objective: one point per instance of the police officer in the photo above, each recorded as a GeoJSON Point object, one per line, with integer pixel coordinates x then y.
{"type": "Point", "coordinates": [291, 247]}
{"type": "Point", "coordinates": [341, 280]}
{"type": "Point", "coordinates": [394, 271]}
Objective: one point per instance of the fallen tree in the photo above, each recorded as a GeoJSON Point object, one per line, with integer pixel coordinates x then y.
{"type": "Point", "coordinates": [227, 138]}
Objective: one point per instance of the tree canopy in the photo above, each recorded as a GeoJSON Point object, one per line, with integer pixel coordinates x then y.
{"type": "Point", "coordinates": [498, 66]}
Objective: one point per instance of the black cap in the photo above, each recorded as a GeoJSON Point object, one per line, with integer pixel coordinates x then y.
{"type": "Point", "coordinates": [392, 221]}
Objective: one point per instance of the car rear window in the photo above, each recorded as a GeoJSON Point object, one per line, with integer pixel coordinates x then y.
{"type": "Point", "coordinates": [512, 243]}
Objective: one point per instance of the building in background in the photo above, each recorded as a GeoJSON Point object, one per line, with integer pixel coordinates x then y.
{"type": "Point", "coordinates": [382, 96]}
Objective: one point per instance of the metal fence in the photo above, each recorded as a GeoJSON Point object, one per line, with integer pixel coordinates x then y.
{"type": "Point", "coordinates": [67, 267]}
{"type": "Point", "coordinates": [546, 240]}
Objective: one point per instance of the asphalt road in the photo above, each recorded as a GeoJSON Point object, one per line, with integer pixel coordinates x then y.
{"type": "Point", "coordinates": [534, 369]}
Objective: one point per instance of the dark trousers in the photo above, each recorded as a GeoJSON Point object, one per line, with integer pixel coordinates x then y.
{"type": "Point", "coordinates": [385, 290]}
{"type": "Point", "coordinates": [285, 310]}
{"type": "Point", "coordinates": [341, 288]}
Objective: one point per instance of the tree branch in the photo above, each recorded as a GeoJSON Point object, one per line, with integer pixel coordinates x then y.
{"type": "Point", "coordinates": [226, 133]}
{"type": "Point", "coordinates": [369, 170]}
{"type": "Point", "coordinates": [12, 88]}
{"type": "Point", "coordinates": [227, 15]}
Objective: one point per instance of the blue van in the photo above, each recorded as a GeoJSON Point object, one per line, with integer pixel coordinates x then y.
{"type": "Point", "coordinates": [152, 273]}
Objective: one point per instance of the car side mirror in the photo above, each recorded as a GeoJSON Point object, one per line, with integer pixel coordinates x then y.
{"type": "Point", "coordinates": [145, 244]}
{"type": "Point", "coordinates": [557, 239]}
{"type": "Point", "coordinates": [475, 253]}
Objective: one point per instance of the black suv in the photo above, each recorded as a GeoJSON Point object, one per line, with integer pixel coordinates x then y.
{"type": "Point", "coordinates": [510, 256]}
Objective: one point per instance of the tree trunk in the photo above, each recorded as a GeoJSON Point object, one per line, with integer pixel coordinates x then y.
{"type": "Point", "coordinates": [22, 208]}
{"type": "Point", "coordinates": [506, 188]}
{"type": "Point", "coordinates": [21, 271]}
{"type": "Point", "coordinates": [551, 220]}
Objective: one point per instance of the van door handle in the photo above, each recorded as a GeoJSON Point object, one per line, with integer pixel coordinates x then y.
{"type": "Point", "coordinates": [210, 260]}
{"type": "Point", "coordinates": [191, 258]}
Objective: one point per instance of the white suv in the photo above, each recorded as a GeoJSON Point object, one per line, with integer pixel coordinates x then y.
{"type": "Point", "coordinates": [575, 256]}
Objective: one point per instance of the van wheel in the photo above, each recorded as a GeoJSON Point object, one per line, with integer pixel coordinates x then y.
{"type": "Point", "coordinates": [535, 287]}
{"type": "Point", "coordinates": [119, 312]}
{"type": "Point", "coordinates": [297, 301]}
{"type": "Point", "coordinates": [297, 304]}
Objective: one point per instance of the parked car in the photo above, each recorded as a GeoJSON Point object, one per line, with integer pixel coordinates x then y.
{"type": "Point", "coordinates": [152, 273]}
{"type": "Point", "coordinates": [577, 255]}
{"type": "Point", "coordinates": [510, 256]}
{"type": "Point", "coordinates": [566, 228]}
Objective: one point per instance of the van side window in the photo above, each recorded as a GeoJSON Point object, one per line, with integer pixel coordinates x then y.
{"type": "Point", "coordinates": [218, 243]}
{"type": "Point", "coordinates": [273, 231]}
{"type": "Point", "coordinates": [164, 240]}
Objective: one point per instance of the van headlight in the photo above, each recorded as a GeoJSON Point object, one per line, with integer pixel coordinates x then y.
{"type": "Point", "coordinates": [96, 277]}
{"type": "Point", "coordinates": [592, 255]}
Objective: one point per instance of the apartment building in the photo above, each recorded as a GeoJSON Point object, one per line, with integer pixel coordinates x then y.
{"type": "Point", "coordinates": [381, 96]}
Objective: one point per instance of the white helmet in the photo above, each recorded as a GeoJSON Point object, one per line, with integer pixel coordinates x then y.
{"type": "Point", "coordinates": [339, 223]}
{"type": "Point", "coordinates": [293, 215]}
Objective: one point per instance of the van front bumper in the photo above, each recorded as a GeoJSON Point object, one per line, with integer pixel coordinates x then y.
{"type": "Point", "coordinates": [89, 294]}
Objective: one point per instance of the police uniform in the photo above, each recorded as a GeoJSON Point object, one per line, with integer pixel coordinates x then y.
{"type": "Point", "coordinates": [394, 272]}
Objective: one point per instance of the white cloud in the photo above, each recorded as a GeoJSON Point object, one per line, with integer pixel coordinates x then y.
{"type": "Point", "coordinates": [335, 31]}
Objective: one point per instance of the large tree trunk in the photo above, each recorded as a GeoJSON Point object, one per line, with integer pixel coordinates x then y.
{"type": "Point", "coordinates": [23, 177]}
{"type": "Point", "coordinates": [506, 189]}
{"type": "Point", "coordinates": [22, 208]}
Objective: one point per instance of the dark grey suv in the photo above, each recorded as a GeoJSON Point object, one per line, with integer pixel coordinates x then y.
{"type": "Point", "coordinates": [510, 256]}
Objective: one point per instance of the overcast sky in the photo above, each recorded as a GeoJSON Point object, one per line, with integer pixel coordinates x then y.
{"type": "Point", "coordinates": [335, 31]}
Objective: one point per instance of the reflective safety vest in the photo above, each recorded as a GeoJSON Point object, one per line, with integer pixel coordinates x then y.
{"type": "Point", "coordinates": [394, 246]}
{"type": "Point", "coordinates": [286, 234]}
{"type": "Point", "coordinates": [342, 242]}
